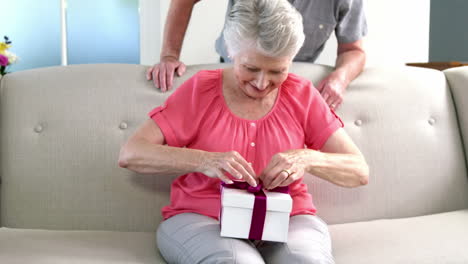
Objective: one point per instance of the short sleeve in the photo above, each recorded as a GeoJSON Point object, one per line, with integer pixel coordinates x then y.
{"type": "Point", "coordinates": [320, 121]}
{"type": "Point", "coordinates": [180, 115]}
{"type": "Point", "coordinates": [351, 21]}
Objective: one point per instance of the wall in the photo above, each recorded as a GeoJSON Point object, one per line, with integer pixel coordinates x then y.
{"type": "Point", "coordinates": [150, 31]}
{"type": "Point", "coordinates": [205, 25]}
{"type": "Point", "coordinates": [398, 33]}
{"type": "Point", "coordinates": [35, 37]}
{"type": "Point", "coordinates": [104, 31]}
{"type": "Point", "coordinates": [448, 34]}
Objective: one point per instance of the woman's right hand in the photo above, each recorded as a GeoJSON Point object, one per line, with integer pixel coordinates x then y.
{"type": "Point", "coordinates": [217, 164]}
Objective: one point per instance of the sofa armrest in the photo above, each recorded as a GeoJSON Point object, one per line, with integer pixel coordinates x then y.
{"type": "Point", "coordinates": [458, 80]}
{"type": "Point", "coordinates": [1, 92]}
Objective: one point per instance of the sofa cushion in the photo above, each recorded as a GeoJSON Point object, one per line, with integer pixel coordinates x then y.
{"type": "Point", "coordinates": [438, 238]}
{"type": "Point", "coordinates": [427, 239]}
{"type": "Point", "coordinates": [45, 246]}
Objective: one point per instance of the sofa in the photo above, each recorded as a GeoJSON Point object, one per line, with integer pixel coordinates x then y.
{"type": "Point", "coordinates": [64, 199]}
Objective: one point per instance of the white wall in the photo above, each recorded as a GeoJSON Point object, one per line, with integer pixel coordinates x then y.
{"type": "Point", "coordinates": [150, 31]}
{"type": "Point", "coordinates": [398, 32]}
{"type": "Point", "coordinates": [205, 25]}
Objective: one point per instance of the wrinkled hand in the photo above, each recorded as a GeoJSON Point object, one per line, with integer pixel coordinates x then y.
{"type": "Point", "coordinates": [332, 89]}
{"type": "Point", "coordinates": [162, 73]}
{"type": "Point", "coordinates": [284, 168]}
{"type": "Point", "coordinates": [217, 164]}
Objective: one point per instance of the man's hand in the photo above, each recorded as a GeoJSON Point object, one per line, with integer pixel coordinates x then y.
{"type": "Point", "coordinates": [349, 64]}
{"type": "Point", "coordinates": [162, 73]}
{"type": "Point", "coordinates": [332, 89]}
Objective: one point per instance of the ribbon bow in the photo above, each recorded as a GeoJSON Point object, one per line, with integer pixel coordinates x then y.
{"type": "Point", "coordinates": [260, 205]}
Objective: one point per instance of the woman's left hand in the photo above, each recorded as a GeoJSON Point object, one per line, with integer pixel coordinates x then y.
{"type": "Point", "coordinates": [284, 168]}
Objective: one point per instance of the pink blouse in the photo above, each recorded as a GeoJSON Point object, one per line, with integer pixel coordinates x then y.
{"type": "Point", "coordinates": [196, 116]}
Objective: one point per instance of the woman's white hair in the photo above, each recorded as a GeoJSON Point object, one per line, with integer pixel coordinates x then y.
{"type": "Point", "coordinates": [272, 27]}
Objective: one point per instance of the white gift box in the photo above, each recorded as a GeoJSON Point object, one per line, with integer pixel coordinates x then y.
{"type": "Point", "coordinates": [237, 210]}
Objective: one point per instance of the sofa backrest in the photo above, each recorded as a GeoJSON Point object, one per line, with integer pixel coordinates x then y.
{"type": "Point", "coordinates": [62, 128]}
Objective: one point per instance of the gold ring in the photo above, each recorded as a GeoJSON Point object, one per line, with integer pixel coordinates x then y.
{"type": "Point", "coordinates": [287, 171]}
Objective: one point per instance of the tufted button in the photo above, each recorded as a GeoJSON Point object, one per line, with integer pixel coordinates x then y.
{"type": "Point", "coordinates": [431, 121]}
{"type": "Point", "coordinates": [38, 128]}
{"type": "Point", "coordinates": [123, 125]}
{"type": "Point", "coordinates": [358, 122]}
{"type": "Point", "coordinates": [321, 26]}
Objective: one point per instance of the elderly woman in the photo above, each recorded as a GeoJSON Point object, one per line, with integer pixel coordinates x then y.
{"type": "Point", "coordinates": [246, 123]}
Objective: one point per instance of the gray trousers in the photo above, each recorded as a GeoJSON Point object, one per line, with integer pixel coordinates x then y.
{"type": "Point", "coordinates": [194, 238]}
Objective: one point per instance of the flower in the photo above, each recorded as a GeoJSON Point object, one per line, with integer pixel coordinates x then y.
{"type": "Point", "coordinates": [4, 47]}
{"type": "Point", "coordinates": [12, 58]}
{"type": "Point", "coordinates": [6, 57]}
{"type": "Point", "coordinates": [3, 60]}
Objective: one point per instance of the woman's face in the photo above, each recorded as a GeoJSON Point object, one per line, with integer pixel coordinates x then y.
{"type": "Point", "coordinates": [257, 75]}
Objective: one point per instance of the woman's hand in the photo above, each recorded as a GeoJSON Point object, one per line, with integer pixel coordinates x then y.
{"type": "Point", "coordinates": [217, 164]}
{"type": "Point", "coordinates": [284, 168]}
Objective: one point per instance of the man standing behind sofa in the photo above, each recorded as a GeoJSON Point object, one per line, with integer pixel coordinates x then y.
{"type": "Point", "coordinates": [320, 18]}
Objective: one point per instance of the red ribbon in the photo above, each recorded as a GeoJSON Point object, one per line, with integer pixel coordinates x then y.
{"type": "Point", "coordinates": [260, 205]}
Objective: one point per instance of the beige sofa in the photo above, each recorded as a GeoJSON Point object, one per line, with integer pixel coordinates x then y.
{"type": "Point", "coordinates": [65, 200]}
